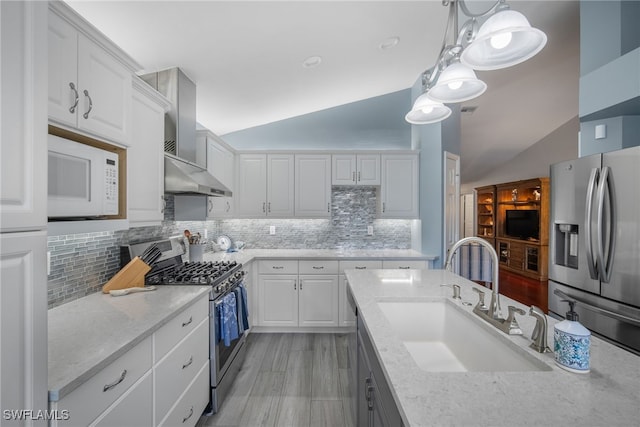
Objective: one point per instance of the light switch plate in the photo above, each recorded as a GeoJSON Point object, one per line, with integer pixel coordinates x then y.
{"type": "Point", "coordinates": [370, 230]}
{"type": "Point", "coordinates": [272, 229]}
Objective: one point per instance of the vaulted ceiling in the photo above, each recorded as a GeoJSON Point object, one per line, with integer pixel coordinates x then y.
{"type": "Point", "coordinates": [246, 58]}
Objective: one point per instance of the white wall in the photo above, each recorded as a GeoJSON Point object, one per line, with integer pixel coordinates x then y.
{"type": "Point", "coordinates": [559, 145]}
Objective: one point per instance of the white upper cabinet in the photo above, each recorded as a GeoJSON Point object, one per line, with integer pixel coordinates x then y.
{"type": "Point", "coordinates": [220, 164]}
{"type": "Point", "coordinates": [265, 185]}
{"type": "Point", "coordinates": [23, 129]}
{"type": "Point", "coordinates": [355, 169]}
{"type": "Point", "coordinates": [145, 157]}
{"type": "Point", "coordinates": [89, 87]}
{"type": "Point", "coordinates": [399, 187]}
{"type": "Point", "coordinates": [313, 185]}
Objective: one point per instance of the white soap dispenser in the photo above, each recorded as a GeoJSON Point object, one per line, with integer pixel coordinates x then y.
{"type": "Point", "coordinates": [571, 343]}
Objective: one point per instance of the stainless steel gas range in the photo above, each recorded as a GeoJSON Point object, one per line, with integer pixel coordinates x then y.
{"type": "Point", "coordinates": [228, 305]}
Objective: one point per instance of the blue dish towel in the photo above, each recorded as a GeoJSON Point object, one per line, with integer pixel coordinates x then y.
{"type": "Point", "coordinates": [228, 320]}
{"type": "Point", "coordinates": [241, 327]}
{"type": "Point", "coordinates": [243, 312]}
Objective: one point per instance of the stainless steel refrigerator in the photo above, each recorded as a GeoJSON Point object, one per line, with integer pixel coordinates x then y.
{"type": "Point", "coordinates": [594, 252]}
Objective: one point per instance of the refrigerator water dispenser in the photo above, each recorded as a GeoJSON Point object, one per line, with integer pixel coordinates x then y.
{"type": "Point", "coordinates": [566, 240]}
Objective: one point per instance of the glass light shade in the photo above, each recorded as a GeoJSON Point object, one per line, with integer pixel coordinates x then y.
{"type": "Point", "coordinates": [425, 110]}
{"type": "Point", "coordinates": [457, 83]}
{"type": "Point", "coordinates": [505, 39]}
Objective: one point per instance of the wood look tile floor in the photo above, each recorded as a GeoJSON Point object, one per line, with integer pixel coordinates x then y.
{"type": "Point", "coordinates": [289, 379]}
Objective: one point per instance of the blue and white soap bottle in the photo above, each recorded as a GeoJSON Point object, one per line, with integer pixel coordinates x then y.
{"type": "Point", "coordinates": [571, 343]}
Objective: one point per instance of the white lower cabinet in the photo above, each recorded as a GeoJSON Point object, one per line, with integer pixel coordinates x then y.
{"type": "Point", "coordinates": [292, 300]}
{"type": "Point", "coordinates": [134, 408]}
{"type": "Point", "coordinates": [346, 317]}
{"type": "Point", "coordinates": [168, 371]}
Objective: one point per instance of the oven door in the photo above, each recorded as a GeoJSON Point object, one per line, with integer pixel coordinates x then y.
{"type": "Point", "coordinates": [220, 354]}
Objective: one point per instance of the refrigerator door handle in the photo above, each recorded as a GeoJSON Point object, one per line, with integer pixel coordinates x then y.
{"type": "Point", "coordinates": [591, 189]}
{"type": "Point", "coordinates": [605, 191]}
{"type": "Point", "coordinates": [594, 308]}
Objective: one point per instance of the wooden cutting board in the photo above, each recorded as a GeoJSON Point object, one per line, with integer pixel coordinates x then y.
{"type": "Point", "coordinates": [130, 276]}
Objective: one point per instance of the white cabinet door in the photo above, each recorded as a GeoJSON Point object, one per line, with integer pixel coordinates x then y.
{"type": "Point", "coordinates": [345, 314]}
{"type": "Point", "coordinates": [313, 185]}
{"type": "Point", "coordinates": [220, 163]}
{"type": "Point", "coordinates": [280, 188]}
{"type": "Point", "coordinates": [368, 169]}
{"type": "Point", "coordinates": [278, 300]}
{"type": "Point", "coordinates": [145, 162]}
{"type": "Point", "coordinates": [23, 315]}
{"type": "Point", "coordinates": [318, 299]}
{"type": "Point", "coordinates": [105, 92]}
{"type": "Point", "coordinates": [251, 196]}
{"type": "Point", "coordinates": [64, 96]}
{"type": "Point", "coordinates": [399, 187]}
{"type": "Point", "coordinates": [343, 169]}
{"type": "Point", "coordinates": [23, 126]}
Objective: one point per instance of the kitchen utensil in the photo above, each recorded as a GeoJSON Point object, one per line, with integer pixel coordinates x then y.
{"type": "Point", "coordinates": [120, 292]}
{"type": "Point", "coordinates": [131, 275]}
{"type": "Point", "coordinates": [224, 242]}
{"type": "Point", "coordinates": [151, 254]}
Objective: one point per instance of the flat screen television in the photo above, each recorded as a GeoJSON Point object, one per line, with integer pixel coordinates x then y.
{"type": "Point", "coordinates": [522, 224]}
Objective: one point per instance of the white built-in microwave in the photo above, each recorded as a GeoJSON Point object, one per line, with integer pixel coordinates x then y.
{"type": "Point", "coordinates": [82, 180]}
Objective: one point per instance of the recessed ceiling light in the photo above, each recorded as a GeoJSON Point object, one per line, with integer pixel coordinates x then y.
{"type": "Point", "coordinates": [312, 62]}
{"type": "Point", "coordinates": [389, 43]}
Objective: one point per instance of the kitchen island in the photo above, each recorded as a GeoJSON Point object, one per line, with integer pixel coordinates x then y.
{"type": "Point", "coordinates": [608, 395]}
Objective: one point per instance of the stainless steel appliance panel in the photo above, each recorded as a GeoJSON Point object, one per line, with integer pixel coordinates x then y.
{"type": "Point", "coordinates": [568, 257]}
{"type": "Point", "coordinates": [624, 176]}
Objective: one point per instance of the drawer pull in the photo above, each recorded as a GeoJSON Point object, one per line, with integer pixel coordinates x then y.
{"type": "Point", "coordinates": [318, 268]}
{"type": "Point", "coordinates": [188, 322]}
{"type": "Point", "coordinates": [72, 109]}
{"type": "Point", "coordinates": [277, 267]}
{"type": "Point", "coordinates": [360, 268]}
{"type": "Point", "coordinates": [186, 365]}
{"type": "Point", "coordinates": [115, 383]}
{"type": "Point", "coordinates": [188, 416]}
{"type": "Point", "coordinates": [404, 268]}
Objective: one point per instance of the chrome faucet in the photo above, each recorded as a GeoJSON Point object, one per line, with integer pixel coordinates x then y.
{"type": "Point", "coordinates": [491, 313]}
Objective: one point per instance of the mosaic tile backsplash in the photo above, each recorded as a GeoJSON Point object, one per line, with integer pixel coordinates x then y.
{"type": "Point", "coordinates": [82, 263]}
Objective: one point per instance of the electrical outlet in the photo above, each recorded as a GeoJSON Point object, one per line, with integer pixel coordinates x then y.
{"type": "Point", "coordinates": [370, 230]}
{"type": "Point", "coordinates": [272, 229]}
{"type": "Point", "coordinates": [206, 234]}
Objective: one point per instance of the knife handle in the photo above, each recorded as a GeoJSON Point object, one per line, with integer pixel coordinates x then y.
{"type": "Point", "coordinates": [120, 292]}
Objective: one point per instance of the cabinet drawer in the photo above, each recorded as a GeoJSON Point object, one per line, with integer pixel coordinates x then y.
{"type": "Point", "coordinates": [278, 267]}
{"type": "Point", "coordinates": [405, 265]}
{"type": "Point", "coordinates": [318, 267]}
{"type": "Point", "coordinates": [134, 407]}
{"type": "Point", "coordinates": [179, 327]}
{"type": "Point", "coordinates": [90, 399]}
{"type": "Point", "coordinates": [180, 367]}
{"type": "Point", "coordinates": [359, 265]}
{"type": "Point", "coordinates": [192, 403]}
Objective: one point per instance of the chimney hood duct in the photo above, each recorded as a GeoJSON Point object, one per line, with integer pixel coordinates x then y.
{"type": "Point", "coordinates": [182, 173]}
{"type": "Point", "coordinates": [182, 177]}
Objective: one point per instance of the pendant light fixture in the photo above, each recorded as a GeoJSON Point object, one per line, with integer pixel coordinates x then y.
{"type": "Point", "coordinates": [425, 110]}
{"type": "Point", "coordinates": [505, 39]}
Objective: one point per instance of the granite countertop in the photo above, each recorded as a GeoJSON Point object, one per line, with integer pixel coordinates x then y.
{"type": "Point", "coordinates": [246, 255]}
{"type": "Point", "coordinates": [609, 395]}
{"type": "Point", "coordinates": [88, 334]}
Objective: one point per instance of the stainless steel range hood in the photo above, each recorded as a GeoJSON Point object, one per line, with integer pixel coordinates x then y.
{"type": "Point", "coordinates": [182, 177]}
{"type": "Point", "coordinates": [182, 172]}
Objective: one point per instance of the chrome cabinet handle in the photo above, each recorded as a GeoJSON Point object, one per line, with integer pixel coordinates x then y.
{"type": "Point", "coordinates": [72, 109]}
{"type": "Point", "coordinates": [315, 267]}
{"type": "Point", "coordinates": [277, 267]}
{"type": "Point", "coordinates": [188, 322]}
{"type": "Point", "coordinates": [360, 268]}
{"type": "Point", "coordinates": [164, 204]}
{"type": "Point", "coordinates": [116, 382]}
{"type": "Point", "coordinates": [300, 284]}
{"type": "Point", "coordinates": [328, 207]}
{"type": "Point", "coordinates": [186, 365]}
{"type": "Point", "coordinates": [228, 206]}
{"type": "Point", "coordinates": [384, 207]}
{"type": "Point", "coordinates": [404, 268]}
{"type": "Point", "coordinates": [188, 416]}
{"type": "Point", "coordinates": [359, 177]}
{"type": "Point", "coordinates": [295, 285]}
{"type": "Point", "coordinates": [354, 176]}
{"type": "Point", "coordinates": [86, 114]}
{"type": "Point", "coordinates": [264, 207]}
{"type": "Point", "coordinates": [210, 205]}
{"type": "Point", "coordinates": [269, 207]}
